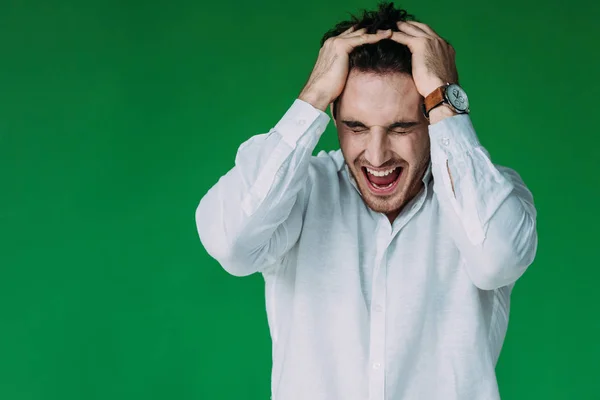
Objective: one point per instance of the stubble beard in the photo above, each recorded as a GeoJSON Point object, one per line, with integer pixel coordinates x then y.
{"type": "Point", "coordinates": [393, 203]}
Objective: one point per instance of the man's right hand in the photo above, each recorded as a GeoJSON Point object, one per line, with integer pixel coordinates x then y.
{"type": "Point", "coordinates": [328, 78]}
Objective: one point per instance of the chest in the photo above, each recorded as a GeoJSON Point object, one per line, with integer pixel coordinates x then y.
{"type": "Point", "coordinates": [347, 251]}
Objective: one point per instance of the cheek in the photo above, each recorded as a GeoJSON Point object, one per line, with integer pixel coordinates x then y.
{"type": "Point", "coordinates": [412, 148]}
{"type": "Point", "coordinates": [351, 146]}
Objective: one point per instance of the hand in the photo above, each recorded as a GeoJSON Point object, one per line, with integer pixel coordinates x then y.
{"type": "Point", "coordinates": [329, 75]}
{"type": "Point", "coordinates": [433, 59]}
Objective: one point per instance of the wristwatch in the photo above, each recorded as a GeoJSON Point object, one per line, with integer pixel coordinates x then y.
{"type": "Point", "coordinates": [450, 94]}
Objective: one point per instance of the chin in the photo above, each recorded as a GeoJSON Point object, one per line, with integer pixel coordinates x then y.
{"type": "Point", "coordinates": [385, 206]}
{"type": "Point", "coordinates": [387, 199]}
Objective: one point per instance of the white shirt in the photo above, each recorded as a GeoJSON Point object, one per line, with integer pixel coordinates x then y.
{"type": "Point", "coordinates": [359, 308]}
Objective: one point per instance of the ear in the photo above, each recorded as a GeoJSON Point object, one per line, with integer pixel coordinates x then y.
{"type": "Point", "coordinates": [332, 114]}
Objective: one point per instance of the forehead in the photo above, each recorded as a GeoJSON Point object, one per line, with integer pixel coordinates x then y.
{"type": "Point", "coordinates": [379, 99]}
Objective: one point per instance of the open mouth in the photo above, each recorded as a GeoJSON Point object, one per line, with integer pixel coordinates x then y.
{"type": "Point", "coordinates": [382, 182]}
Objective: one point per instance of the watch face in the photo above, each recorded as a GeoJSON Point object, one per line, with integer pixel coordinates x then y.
{"type": "Point", "coordinates": [457, 97]}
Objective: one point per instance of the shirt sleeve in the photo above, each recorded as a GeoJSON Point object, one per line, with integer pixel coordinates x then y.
{"type": "Point", "coordinates": [253, 215]}
{"type": "Point", "coordinates": [491, 211]}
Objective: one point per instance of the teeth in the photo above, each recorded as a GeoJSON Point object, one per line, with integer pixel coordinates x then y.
{"type": "Point", "coordinates": [382, 187]}
{"type": "Point", "coordinates": [380, 173]}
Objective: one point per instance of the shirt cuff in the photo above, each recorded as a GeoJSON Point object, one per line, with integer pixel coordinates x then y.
{"type": "Point", "coordinates": [300, 119]}
{"type": "Point", "coordinates": [452, 135]}
{"type": "Point", "coordinates": [479, 187]}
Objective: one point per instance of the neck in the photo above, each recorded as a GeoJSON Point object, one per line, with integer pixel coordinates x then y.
{"type": "Point", "coordinates": [392, 216]}
{"type": "Point", "coordinates": [411, 195]}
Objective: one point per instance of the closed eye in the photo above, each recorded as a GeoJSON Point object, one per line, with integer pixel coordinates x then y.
{"type": "Point", "coordinates": [398, 128]}
{"type": "Point", "coordinates": [355, 126]}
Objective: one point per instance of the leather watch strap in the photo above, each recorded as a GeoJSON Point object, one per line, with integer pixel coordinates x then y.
{"type": "Point", "coordinates": [433, 100]}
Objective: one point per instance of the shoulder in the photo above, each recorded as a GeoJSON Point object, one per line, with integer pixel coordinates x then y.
{"type": "Point", "coordinates": [326, 165]}
{"type": "Point", "coordinates": [325, 172]}
{"type": "Point", "coordinates": [326, 176]}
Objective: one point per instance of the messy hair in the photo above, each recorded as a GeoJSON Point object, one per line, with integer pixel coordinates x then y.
{"type": "Point", "coordinates": [384, 56]}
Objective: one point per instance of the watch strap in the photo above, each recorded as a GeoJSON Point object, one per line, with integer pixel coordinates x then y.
{"type": "Point", "coordinates": [434, 99]}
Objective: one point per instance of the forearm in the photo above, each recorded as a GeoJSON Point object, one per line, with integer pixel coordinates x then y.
{"type": "Point", "coordinates": [492, 214]}
{"type": "Point", "coordinates": [253, 214]}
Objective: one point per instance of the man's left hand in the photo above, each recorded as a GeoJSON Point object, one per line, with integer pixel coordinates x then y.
{"type": "Point", "coordinates": [433, 59]}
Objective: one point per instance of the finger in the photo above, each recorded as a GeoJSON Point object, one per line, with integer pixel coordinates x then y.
{"type": "Point", "coordinates": [423, 27]}
{"type": "Point", "coordinates": [364, 30]}
{"type": "Point", "coordinates": [406, 39]}
{"type": "Point", "coordinates": [365, 38]}
{"type": "Point", "coordinates": [356, 33]}
{"type": "Point", "coordinates": [347, 31]}
{"type": "Point", "coordinates": [412, 30]}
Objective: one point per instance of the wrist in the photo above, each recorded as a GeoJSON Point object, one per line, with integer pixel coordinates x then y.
{"type": "Point", "coordinates": [441, 112]}
{"type": "Point", "coordinates": [432, 86]}
{"type": "Point", "coordinates": [446, 101]}
{"type": "Point", "coordinates": [316, 100]}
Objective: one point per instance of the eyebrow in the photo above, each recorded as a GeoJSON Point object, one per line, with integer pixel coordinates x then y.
{"type": "Point", "coordinates": [397, 124]}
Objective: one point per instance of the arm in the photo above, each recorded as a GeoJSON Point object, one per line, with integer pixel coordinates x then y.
{"type": "Point", "coordinates": [491, 211]}
{"type": "Point", "coordinates": [253, 215]}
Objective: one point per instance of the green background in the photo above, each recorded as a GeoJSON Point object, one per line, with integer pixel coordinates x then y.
{"type": "Point", "coordinates": [117, 117]}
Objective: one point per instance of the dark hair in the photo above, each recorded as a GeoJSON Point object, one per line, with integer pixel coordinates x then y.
{"type": "Point", "coordinates": [385, 56]}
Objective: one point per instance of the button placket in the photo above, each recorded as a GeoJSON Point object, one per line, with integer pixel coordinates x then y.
{"type": "Point", "coordinates": [377, 323]}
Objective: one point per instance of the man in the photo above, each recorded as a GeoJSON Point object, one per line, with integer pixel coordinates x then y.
{"type": "Point", "coordinates": [388, 263]}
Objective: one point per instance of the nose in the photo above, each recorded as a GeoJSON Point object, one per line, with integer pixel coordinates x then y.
{"type": "Point", "coordinates": [378, 151]}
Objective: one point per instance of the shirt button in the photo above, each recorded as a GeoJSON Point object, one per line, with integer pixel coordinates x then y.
{"type": "Point", "coordinates": [445, 141]}
{"type": "Point", "coordinates": [377, 308]}
{"type": "Point", "coordinates": [376, 365]}
{"type": "Point", "coordinates": [301, 122]}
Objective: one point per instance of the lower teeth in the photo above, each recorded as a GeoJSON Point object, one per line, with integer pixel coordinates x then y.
{"type": "Point", "coordinates": [382, 187]}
